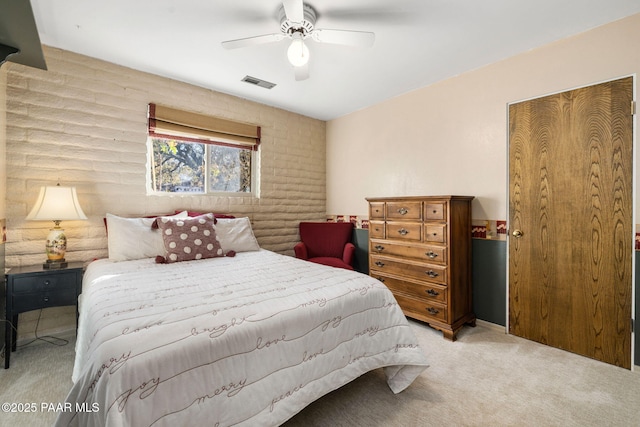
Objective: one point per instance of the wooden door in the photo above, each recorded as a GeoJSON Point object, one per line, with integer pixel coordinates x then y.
{"type": "Point", "coordinates": [570, 203]}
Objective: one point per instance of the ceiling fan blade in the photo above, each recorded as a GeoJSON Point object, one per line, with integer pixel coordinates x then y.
{"type": "Point", "coordinates": [252, 41]}
{"type": "Point", "coordinates": [294, 9]}
{"type": "Point", "coordinates": [302, 72]}
{"type": "Point", "coordinates": [344, 37]}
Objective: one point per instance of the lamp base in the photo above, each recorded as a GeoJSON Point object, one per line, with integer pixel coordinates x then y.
{"type": "Point", "coordinates": [54, 265]}
{"type": "Point", "coordinates": [56, 248]}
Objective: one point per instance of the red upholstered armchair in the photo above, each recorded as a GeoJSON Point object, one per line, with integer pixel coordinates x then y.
{"type": "Point", "coordinates": [327, 243]}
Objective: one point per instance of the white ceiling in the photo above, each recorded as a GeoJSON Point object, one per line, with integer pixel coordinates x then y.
{"type": "Point", "coordinates": [418, 42]}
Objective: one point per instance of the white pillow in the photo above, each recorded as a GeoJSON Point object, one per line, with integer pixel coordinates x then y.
{"type": "Point", "coordinates": [133, 238]}
{"type": "Point", "coordinates": [236, 235]}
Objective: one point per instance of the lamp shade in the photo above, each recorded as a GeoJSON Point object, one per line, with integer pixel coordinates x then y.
{"type": "Point", "coordinates": [57, 204]}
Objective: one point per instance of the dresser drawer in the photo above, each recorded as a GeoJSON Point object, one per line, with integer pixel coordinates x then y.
{"type": "Point", "coordinates": [408, 231]}
{"type": "Point", "coordinates": [437, 254]}
{"type": "Point", "coordinates": [409, 269]}
{"type": "Point", "coordinates": [422, 309]}
{"type": "Point", "coordinates": [435, 211]}
{"type": "Point", "coordinates": [376, 230]}
{"type": "Point", "coordinates": [37, 283]}
{"type": "Point", "coordinates": [425, 291]}
{"type": "Point", "coordinates": [376, 210]}
{"type": "Point", "coordinates": [404, 210]}
{"type": "Point", "coordinates": [436, 233]}
{"type": "Point", "coordinates": [34, 301]}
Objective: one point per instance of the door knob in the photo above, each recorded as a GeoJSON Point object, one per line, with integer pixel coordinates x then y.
{"type": "Point", "coordinates": [517, 233]}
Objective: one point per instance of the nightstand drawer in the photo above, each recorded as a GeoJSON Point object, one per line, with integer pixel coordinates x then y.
{"type": "Point", "coordinates": [40, 283]}
{"type": "Point", "coordinates": [34, 301]}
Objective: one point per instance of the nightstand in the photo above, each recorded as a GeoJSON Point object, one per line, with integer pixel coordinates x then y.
{"type": "Point", "coordinates": [33, 288]}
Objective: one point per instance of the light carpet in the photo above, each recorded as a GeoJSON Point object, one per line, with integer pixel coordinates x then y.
{"type": "Point", "coordinates": [485, 378]}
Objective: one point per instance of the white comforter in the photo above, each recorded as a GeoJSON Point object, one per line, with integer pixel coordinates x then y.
{"type": "Point", "coordinates": [249, 340]}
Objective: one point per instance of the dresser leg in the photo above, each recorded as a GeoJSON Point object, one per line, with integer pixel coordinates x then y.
{"type": "Point", "coordinates": [448, 335]}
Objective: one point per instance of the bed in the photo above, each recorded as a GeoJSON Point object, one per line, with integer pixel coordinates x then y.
{"type": "Point", "coordinates": [249, 339]}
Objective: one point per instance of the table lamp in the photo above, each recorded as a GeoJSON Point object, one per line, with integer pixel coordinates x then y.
{"type": "Point", "coordinates": [56, 204]}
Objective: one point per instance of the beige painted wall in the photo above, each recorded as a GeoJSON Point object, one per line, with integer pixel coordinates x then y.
{"type": "Point", "coordinates": [451, 137]}
{"type": "Point", "coordinates": [83, 122]}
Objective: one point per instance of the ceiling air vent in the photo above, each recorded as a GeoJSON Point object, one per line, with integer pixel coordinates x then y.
{"type": "Point", "coordinates": [258, 82]}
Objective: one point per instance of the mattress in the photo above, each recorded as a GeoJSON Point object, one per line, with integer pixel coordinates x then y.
{"type": "Point", "coordinates": [244, 340]}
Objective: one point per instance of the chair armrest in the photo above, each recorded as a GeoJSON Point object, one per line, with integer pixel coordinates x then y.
{"type": "Point", "coordinates": [301, 250]}
{"type": "Point", "coordinates": [347, 255]}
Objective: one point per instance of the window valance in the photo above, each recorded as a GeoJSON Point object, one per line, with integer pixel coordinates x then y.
{"type": "Point", "coordinates": [171, 123]}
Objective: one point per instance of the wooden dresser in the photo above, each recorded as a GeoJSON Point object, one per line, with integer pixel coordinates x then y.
{"type": "Point", "coordinates": [420, 247]}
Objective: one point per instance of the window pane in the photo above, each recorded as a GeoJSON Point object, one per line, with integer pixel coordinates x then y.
{"type": "Point", "coordinates": [178, 167]}
{"type": "Point", "coordinates": [230, 169]}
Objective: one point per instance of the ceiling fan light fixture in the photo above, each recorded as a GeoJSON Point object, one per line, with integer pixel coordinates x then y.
{"type": "Point", "coordinates": [297, 23]}
{"type": "Point", "coordinates": [298, 52]}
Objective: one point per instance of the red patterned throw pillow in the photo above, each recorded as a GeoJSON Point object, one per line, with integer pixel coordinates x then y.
{"type": "Point", "coordinates": [187, 239]}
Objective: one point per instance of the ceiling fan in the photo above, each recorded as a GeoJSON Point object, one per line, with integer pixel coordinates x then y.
{"type": "Point", "coordinates": [297, 23]}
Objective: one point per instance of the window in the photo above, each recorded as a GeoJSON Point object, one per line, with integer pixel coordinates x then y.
{"type": "Point", "coordinates": [191, 167]}
{"type": "Point", "coordinates": [192, 153]}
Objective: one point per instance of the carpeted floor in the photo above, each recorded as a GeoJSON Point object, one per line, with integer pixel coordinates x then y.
{"type": "Point", "coordinates": [486, 378]}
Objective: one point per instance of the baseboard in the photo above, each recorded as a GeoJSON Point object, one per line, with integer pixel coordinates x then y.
{"type": "Point", "coordinates": [492, 326]}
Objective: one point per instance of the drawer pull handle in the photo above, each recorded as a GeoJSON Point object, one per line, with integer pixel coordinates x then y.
{"type": "Point", "coordinates": [431, 273]}
{"type": "Point", "coordinates": [45, 299]}
{"type": "Point", "coordinates": [382, 279]}
{"type": "Point", "coordinates": [378, 248]}
{"type": "Point", "coordinates": [403, 211]}
{"type": "Point", "coordinates": [431, 254]}
{"type": "Point", "coordinates": [433, 311]}
{"type": "Point", "coordinates": [380, 263]}
{"type": "Point", "coordinates": [403, 232]}
{"type": "Point", "coordinates": [47, 283]}
{"type": "Point", "coordinates": [433, 292]}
